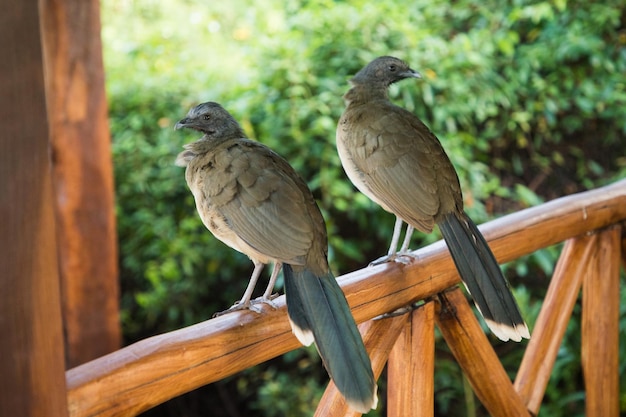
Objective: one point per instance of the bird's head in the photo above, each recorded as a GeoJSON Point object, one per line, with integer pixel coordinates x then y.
{"type": "Point", "coordinates": [384, 71]}
{"type": "Point", "coordinates": [211, 119]}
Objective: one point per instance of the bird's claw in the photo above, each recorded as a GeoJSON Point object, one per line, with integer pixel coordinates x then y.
{"type": "Point", "coordinates": [404, 258]}
{"type": "Point", "coordinates": [265, 300]}
{"type": "Point", "coordinates": [235, 307]}
{"type": "Point", "coordinates": [252, 305]}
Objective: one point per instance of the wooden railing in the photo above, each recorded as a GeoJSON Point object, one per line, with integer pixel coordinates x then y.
{"type": "Point", "coordinates": [154, 370]}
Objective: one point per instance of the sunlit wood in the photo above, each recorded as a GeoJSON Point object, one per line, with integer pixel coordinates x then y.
{"type": "Point", "coordinates": [379, 337]}
{"type": "Point", "coordinates": [82, 169]}
{"type": "Point", "coordinates": [600, 327]}
{"type": "Point", "coordinates": [536, 367]}
{"type": "Point", "coordinates": [411, 367]}
{"type": "Point", "coordinates": [31, 339]}
{"type": "Point", "coordinates": [152, 371]}
{"type": "Point", "coordinates": [476, 356]}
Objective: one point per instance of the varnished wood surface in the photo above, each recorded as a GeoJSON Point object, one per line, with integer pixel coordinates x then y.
{"type": "Point", "coordinates": [411, 367]}
{"type": "Point", "coordinates": [378, 337]}
{"type": "Point", "coordinates": [82, 170]}
{"type": "Point", "coordinates": [536, 367]}
{"type": "Point", "coordinates": [32, 382]}
{"type": "Point", "coordinates": [600, 327]}
{"type": "Point", "coordinates": [472, 350]}
{"type": "Point", "coordinates": [152, 371]}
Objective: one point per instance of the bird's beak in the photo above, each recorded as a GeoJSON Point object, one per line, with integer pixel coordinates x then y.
{"type": "Point", "coordinates": [181, 124]}
{"type": "Point", "coordinates": [412, 74]}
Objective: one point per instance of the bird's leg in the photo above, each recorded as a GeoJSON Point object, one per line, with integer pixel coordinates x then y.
{"type": "Point", "coordinates": [397, 229]}
{"type": "Point", "coordinates": [392, 255]}
{"type": "Point", "coordinates": [407, 239]}
{"type": "Point", "coordinates": [267, 296]}
{"type": "Point", "coordinates": [244, 303]}
{"type": "Point", "coordinates": [404, 255]}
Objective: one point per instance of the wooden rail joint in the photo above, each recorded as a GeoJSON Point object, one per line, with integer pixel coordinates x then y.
{"type": "Point", "coordinates": [149, 372]}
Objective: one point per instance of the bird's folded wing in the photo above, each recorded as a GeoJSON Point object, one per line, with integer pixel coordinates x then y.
{"type": "Point", "coordinates": [263, 202]}
{"type": "Point", "coordinates": [400, 166]}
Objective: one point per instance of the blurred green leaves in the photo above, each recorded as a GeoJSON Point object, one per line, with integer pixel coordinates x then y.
{"type": "Point", "coordinates": [528, 98]}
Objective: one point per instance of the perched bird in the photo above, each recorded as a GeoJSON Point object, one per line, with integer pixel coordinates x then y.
{"type": "Point", "coordinates": [251, 199]}
{"type": "Point", "coordinates": [394, 159]}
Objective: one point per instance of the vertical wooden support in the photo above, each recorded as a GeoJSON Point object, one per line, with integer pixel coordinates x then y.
{"type": "Point", "coordinates": [536, 367]}
{"type": "Point", "coordinates": [624, 252]}
{"type": "Point", "coordinates": [32, 381]}
{"type": "Point", "coordinates": [379, 337]}
{"type": "Point", "coordinates": [600, 326]}
{"type": "Point", "coordinates": [411, 367]}
{"type": "Point", "coordinates": [475, 355]}
{"type": "Point", "coordinates": [83, 177]}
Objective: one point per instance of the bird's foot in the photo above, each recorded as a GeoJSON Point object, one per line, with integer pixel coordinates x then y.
{"type": "Point", "coordinates": [252, 305]}
{"type": "Point", "coordinates": [235, 307]}
{"type": "Point", "coordinates": [404, 258]}
{"type": "Point", "coordinates": [265, 300]}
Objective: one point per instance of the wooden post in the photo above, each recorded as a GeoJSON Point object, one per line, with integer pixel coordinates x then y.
{"type": "Point", "coordinates": [600, 326]}
{"type": "Point", "coordinates": [411, 367]}
{"type": "Point", "coordinates": [474, 353]}
{"type": "Point", "coordinates": [536, 367]}
{"type": "Point", "coordinates": [83, 177]}
{"type": "Point", "coordinates": [32, 381]}
{"type": "Point", "coordinates": [378, 337]}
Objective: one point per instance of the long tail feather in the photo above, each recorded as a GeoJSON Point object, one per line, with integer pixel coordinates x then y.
{"type": "Point", "coordinates": [482, 277]}
{"type": "Point", "coordinates": [318, 311]}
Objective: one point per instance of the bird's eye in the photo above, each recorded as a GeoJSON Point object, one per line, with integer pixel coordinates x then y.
{"type": "Point", "coordinates": [207, 117]}
{"type": "Point", "coordinates": [393, 68]}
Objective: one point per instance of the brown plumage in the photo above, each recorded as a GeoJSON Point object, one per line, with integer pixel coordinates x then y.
{"type": "Point", "coordinates": [394, 159]}
{"type": "Point", "coordinates": [251, 199]}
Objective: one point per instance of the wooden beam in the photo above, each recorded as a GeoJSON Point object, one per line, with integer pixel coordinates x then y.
{"type": "Point", "coordinates": [600, 327]}
{"type": "Point", "coordinates": [379, 337]}
{"type": "Point", "coordinates": [32, 382]}
{"type": "Point", "coordinates": [83, 177]}
{"type": "Point", "coordinates": [476, 356]}
{"type": "Point", "coordinates": [154, 370]}
{"type": "Point", "coordinates": [536, 367]}
{"type": "Point", "coordinates": [411, 367]}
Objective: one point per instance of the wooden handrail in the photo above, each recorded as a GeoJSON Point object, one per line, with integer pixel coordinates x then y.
{"type": "Point", "coordinates": [154, 370]}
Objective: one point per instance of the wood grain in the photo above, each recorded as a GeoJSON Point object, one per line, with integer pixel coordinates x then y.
{"type": "Point", "coordinates": [600, 326]}
{"type": "Point", "coordinates": [411, 367]}
{"type": "Point", "coordinates": [152, 371]}
{"type": "Point", "coordinates": [536, 367]}
{"type": "Point", "coordinates": [32, 382]}
{"type": "Point", "coordinates": [476, 356]}
{"type": "Point", "coordinates": [83, 177]}
{"type": "Point", "coordinates": [379, 337]}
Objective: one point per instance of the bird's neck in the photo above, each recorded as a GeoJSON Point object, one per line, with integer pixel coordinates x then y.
{"type": "Point", "coordinates": [362, 94]}
{"type": "Point", "coordinates": [207, 143]}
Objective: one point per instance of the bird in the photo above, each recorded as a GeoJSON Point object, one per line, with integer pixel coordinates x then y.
{"type": "Point", "coordinates": [392, 157]}
{"type": "Point", "coordinates": [252, 200]}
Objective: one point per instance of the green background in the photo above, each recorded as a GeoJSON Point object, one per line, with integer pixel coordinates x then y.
{"type": "Point", "coordinates": [528, 98]}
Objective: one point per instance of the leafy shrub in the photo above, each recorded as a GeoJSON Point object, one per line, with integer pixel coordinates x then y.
{"type": "Point", "coordinates": [528, 98]}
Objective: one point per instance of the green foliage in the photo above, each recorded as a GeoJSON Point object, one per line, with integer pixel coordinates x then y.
{"type": "Point", "coordinates": [528, 98]}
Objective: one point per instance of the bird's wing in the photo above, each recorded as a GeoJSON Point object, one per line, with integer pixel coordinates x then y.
{"type": "Point", "coordinates": [263, 201]}
{"type": "Point", "coordinates": [400, 162]}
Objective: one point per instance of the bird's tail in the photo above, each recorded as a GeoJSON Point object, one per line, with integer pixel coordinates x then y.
{"type": "Point", "coordinates": [318, 312]}
{"type": "Point", "coordinates": [482, 277]}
